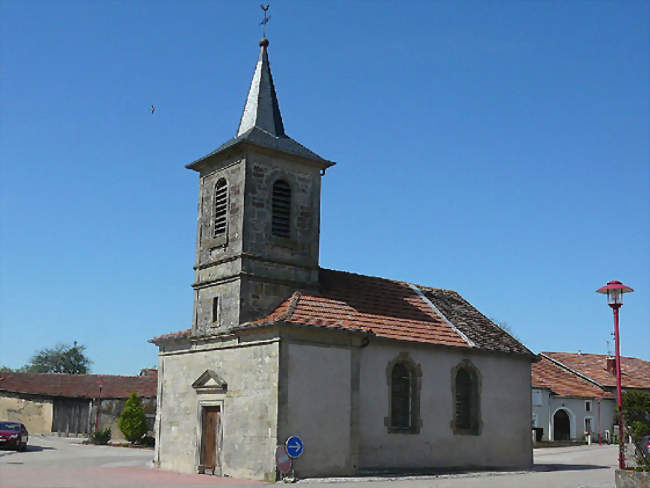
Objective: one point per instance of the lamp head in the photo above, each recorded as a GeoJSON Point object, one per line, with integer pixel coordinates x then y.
{"type": "Point", "coordinates": [614, 291]}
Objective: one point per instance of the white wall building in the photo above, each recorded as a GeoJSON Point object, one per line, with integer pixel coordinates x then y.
{"type": "Point", "coordinates": [568, 406]}
{"type": "Point", "coordinates": [575, 393]}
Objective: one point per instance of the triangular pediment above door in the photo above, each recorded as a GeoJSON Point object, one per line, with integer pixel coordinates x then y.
{"type": "Point", "coordinates": [210, 382]}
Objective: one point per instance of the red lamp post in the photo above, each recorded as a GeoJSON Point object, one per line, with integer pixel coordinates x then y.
{"type": "Point", "coordinates": [614, 291]}
{"type": "Point", "coordinates": [100, 384]}
{"type": "Point", "coordinates": [600, 437]}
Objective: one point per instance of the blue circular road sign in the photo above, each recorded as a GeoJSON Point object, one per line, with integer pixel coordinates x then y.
{"type": "Point", "coordinates": [294, 446]}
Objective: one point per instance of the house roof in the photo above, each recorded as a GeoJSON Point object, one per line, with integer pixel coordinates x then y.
{"type": "Point", "coordinates": [635, 373]}
{"type": "Point", "coordinates": [261, 120]}
{"type": "Point", "coordinates": [78, 385]}
{"type": "Point", "coordinates": [389, 309]}
{"type": "Point", "coordinates": [546, 374]}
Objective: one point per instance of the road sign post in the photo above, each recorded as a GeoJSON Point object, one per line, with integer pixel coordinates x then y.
{"type": "Point", "coordinates": [282, 460]}
{"type": "Point", "coordinates": [294, 446]}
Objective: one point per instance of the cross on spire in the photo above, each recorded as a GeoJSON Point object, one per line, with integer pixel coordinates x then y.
{"type": "Point", "coordinates": [266, 18]}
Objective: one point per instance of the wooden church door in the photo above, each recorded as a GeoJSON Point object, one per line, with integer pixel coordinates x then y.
{"type": "Point", "coordinates": [210, 439]}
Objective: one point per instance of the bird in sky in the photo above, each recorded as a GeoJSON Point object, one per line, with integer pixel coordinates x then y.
{"type": "Point", "coordinates": [153, 109]}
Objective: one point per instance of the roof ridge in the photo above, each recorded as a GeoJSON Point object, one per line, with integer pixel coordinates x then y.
{"type": "Point", "coordinates": [593, 354]}
{"type": "Point", "coordinates": [291, 309]}
{"type": "Point", "coordinates": [444, 318]}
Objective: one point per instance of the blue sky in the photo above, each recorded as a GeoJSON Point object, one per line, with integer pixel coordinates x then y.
{"type": "Point", "coordinates": [498, 149]}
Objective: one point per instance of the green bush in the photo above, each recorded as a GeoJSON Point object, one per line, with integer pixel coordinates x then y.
{"type": "Point", "coordinates": [132, 422]}
{"type": "Point", "coordinates": [101, 437]}
{"type": "Point", "coordinates": [636, 412]}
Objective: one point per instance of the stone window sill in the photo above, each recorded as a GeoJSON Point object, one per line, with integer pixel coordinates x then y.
{"type": "Point", "coordinates": [399, 430]}
{"type": "Point", "coordinates": [470, 431]}
{"type": "Point", "coordinates": [284, 242]}
{"type": "Point", "coordinates": [219, 241]}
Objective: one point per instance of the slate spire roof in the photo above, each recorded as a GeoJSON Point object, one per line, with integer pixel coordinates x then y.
{"type": "Point", "coordinates": [261, 109]}
{"type": "Point", "coordinates": [261, 120]}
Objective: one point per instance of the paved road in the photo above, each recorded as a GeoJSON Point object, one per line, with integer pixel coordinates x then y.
{"type": "Point", "coordinates": [561, 467]}
{"type": "Point", "coordinates": [52, 462]}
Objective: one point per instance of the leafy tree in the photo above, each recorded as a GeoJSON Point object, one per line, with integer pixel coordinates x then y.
{"type": "Point", "coordinates": [22, 369]}
{"type": "Point", "coordinates": [636, 413]}
{"type": "Point", "coordinates": [132, 422]}
{"type": "Point", "coordinates": [62, 358]}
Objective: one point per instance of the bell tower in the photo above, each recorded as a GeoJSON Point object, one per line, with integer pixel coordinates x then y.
{"type": "Point", "coordinates": [258, 215]}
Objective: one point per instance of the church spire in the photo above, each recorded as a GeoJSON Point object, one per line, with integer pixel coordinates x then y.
{"type": "Point", "coordinates": [261, 123]}
{"type": "Point", "coordinates": [261, 110]}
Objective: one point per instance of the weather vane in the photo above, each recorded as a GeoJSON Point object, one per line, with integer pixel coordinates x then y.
{"type": "Point", "coordinates": [266, 17]}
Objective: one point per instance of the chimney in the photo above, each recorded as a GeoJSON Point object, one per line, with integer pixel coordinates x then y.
{"type": "Point", "coordinates": [611, 365]}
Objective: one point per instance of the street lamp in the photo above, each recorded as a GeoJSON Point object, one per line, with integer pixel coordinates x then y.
{"type": "Point", "coordinates": [614, 291]}
{"type": "Point", "coordinates": [100, 384]}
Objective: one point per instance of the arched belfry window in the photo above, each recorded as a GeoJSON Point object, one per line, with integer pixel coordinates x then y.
{"type": "Point", "coordinates": [220, 207]}
{"type": "Point", "coordinates": [467, 401]}
{"type": "Point", "coordinates": [281, 209]}
{"type": "Point", "coordinates": [404, 379]}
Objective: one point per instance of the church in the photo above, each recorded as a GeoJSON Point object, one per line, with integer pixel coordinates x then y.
{"type": "Point", "coordinates": [373, 374]}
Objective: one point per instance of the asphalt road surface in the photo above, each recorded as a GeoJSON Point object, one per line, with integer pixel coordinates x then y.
{"type": "Point", "coordinates": [52, 462]}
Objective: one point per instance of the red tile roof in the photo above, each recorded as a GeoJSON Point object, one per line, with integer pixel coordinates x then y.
{"type": "Point", "coordinates": [547, 374]}
{"type": "Point", "coordinates": [181, 334]}
{"type": "Point", "coordinates": [351, 302]}
{"type": "Point", "coordinates": [389, 309]}
{"type": "Point", "coordinates": [635, 373]}
{"type": "Point", "coordinates": [78, 385]}
{"type": "Point", "coordinates": [394, 310]}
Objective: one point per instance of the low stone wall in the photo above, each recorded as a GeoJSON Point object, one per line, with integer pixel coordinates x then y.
{"type": "Point", "coordinates": [632, 479]}
{"type": "Point", "coordinates": [112, 409]}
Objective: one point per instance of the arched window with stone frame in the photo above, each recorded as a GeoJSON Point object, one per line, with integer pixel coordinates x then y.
{"type": "Point", "coordinates": [281, 209]}
{"type": "Point", "coordinates": [220, 224]}
{"type": "Point", "coordinates": [404, 379]}
{"type": "Point", "coordinates": [466, 387]}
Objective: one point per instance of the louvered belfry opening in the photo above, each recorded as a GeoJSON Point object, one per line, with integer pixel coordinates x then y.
{"type": "Point", "coordinates": [400, 397]}
{"type": "Point", "coordinates": [220, 207]}
{"type": "Point", "coordinates": [281, 208]}
{"type": "Point", "coordinates": [463, 399]}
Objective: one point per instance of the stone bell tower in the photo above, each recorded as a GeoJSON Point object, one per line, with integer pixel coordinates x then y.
{"type": "Point", "coordinates": [258, 216]}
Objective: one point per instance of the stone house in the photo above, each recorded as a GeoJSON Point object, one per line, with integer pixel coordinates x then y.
{"type": "Point", "coordinates": [575, 393]}
{"type": "Point", "coordinates": [373, 374]}
{"type": "Point", "coordinates": [66, 404]}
